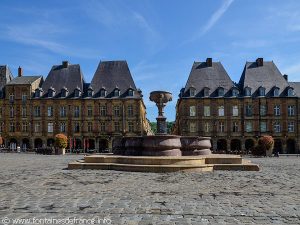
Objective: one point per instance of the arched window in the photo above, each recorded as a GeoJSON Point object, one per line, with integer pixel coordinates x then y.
{"type": "Point", "coordinates": [235, 92]}
{"type": "Point", "coordinates": [102, 92]}
{"type": "Point", "coordinates": [291, 92]}
{"type": "Point", "coordinates": [77, 92]}
{"type": "Point", "coordinates": [51, 92]}
{"type": "Point", "coordinates": [276, 92]}
{"type": "Point", "coordinates": [192, 92]}
{"type": "Point", "coordinates": [206, 92]}
{"type": "Point", "coordinates": [64, 92]}
{"type": "Point", "coordinates": [247, 91]}
{"type": "Point", "coordinates": [262, 91]}
{"type": "Point", "coordinates": [90, 92]}
{"type": "Point", "coordinates": [130, 92]}
{"type": "Point", "coordinates": [220, 92]}
{"type": "Point", "coordinates": [38, 92]}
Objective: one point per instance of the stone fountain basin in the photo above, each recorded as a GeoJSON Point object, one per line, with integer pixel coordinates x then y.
{"type": "Point", "coordinates": [195, 145]}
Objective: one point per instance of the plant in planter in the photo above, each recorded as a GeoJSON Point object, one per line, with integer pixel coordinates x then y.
{"type": "Point", "coordinates": [264, 147]}
{"type": "Point", "coordinates": [61, 142]}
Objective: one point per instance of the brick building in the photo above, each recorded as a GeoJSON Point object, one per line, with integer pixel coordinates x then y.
{"type": "Point", "coordinates": [235, 115]}
{"type": "Point", "coordinates": [34, 110]}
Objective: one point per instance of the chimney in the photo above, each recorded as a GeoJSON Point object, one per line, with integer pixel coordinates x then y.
{"type": "Point", "coordinates": [209, 62]}
{"type": "Point", "coordinates": [285, 77]}
{"type": "Point", "coordinates": [260, 61]}
{"type": "Point", "coordinates": [65, 64]}
{"type": "Point", "coordinates": [20, 71]}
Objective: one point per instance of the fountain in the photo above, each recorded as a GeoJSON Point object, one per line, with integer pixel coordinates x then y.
{"type": "Point", "coordinates": [163, 152]}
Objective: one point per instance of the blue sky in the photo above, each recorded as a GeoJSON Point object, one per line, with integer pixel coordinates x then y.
{"type": "Point", "coordinates": [159, 39]}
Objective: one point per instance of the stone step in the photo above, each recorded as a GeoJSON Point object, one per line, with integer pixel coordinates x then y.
{"type": "Point", "coordinates": [223, 159]}
{"type": "Point", "coordinates": [236, 167]}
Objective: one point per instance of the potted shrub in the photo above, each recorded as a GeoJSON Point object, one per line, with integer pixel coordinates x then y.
{"type": "Point", "coordinates": [61, 142]}
{"type": "Point", "coordinates": [264, 147]}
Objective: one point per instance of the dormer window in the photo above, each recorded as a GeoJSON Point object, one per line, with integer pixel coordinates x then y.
{"type": "Point", "coordinates": [192, 92]}
{"type": "Point", "coordinates": [235, 92]}
{"type": "Point", "coordinates": [51, 92]}
{"type": "Point", "coordinates": [247, 91]}
{"type": "Point", "coordinates": [276, 92]}
{"type": "Point", "coordinates": [38, 93]}
{"type": "Point", "coordinates": [206, 92]}
{"type": "Point", "coordinates": [90, 92]}
{"type": "Point", "coordinates": [220, 92]}
{"type": "Point", "coordinates": [102, 92]}
{"type": "Point", "coordinates": [130, 92]}
{"type": "Point", "coordinates": [261, 91]}
{"type": "Point", "coordinates": [116, 92]}
{"type": "Point", "coordinates": [64, 92]}
{"type": "Point", "coordinates": [290, 92]}
{"type": "Point", "coordinates": [77, 92]}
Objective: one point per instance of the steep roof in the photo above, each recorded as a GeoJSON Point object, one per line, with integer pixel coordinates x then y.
{"type": "Point", "coordinates": [213, 77]}
{"type": "Point", "coordinates": [266, 75]}
{"type": "Point", "coordinates": [111, 75]}
{"type": "Point", "coordinates": [24, 80]}
{"type": "Point", "coordinates": [69, 76]}
{"type": "Point", "coordinates": [6, 75]}
{"type": "Point", "coordinates": [296, 86]}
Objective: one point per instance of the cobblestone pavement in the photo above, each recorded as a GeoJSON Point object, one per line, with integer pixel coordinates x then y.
{"type": "Point", "coordinates": [41, 187]}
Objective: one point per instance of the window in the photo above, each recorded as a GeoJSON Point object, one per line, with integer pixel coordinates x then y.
{"type": "Point", "coordinates": [247, 91]}
{"type": "Point", "coordinates": [89, 111]}
{"type": "Point", "coordinates": [117, 126]}
{"type": "Point", "coordinates": [263, 110]}
{"type": "Point", "coordinates": [11, 112]}
{"type": "Point", "coordinates": [249, 110]}
{"type": "Point", "coordinates": [130, 126]}
{"type": "Point", "coordinates": [221, 127]}
{"type": "Point", "coordinates": [263, 126]}
{"type": "Point", "coordinates": [192, 127]}
{"type": "Point", "coordinates": [117, 110]}
{"type": "Point", "coordinates": [276, 92]}
{"type": "Point", "coordinates": [277, 127]}
{"type": "Point", "coordinates": [102, 126]}
{"type": "Point", "coordinates": [130, 110]}
{"type": "Point", "coordinates": [24, 111]}
{"type": "Point", "coordinates": [63, 111]}
{"type": "Point", "coordinates": [63, 127]}
{"type": "Point", "coordinates": [76, 127]}
{"type": "Point", "coordinates": [235, 92]}
{"type": "Point", "coordinates": [37, 127]}
{"type": "Point", "coordinates": [235, 110]}
{"type": "Point", "coordinates": [192, 92]}
{"type": "Point", "coordinates": [64, 92]}
{"type": "Point", "coordinates": [37, 93]}
{"type": "Point", "coordinates": [50, 111]}
{"type": "Point", "coordinates": [291, 92]}
{"type": "Point", "coordinates": [102, 110]}
{"type": "Point", "coordinates": [221, 110]}
{"type": "Point", "coordinates": [221, 92]}
{"type": "Point", "coordinates": [206, 92]}
{"type": "Point", "coordinates": [291, 110]}
{"type": "Point", "coordinates": [277, 110]}
{"type": "Point", "coordinates": [90, 93]}
{"type": "Point", "coordinates": [37, 111]}
{"type": "Point", "coordinates": [24, 97]}
{"type": "Point", "coordinates": [206, 127]}
{"type": "Point", "coordinates": [90, 127]}
{"type": "Point", "coordinates": [50, 127]}
{"type": "Point", "coordinates": [235, 127]}
{"type": "Point", "coordinates": [77, 93]}
{"type": "Point", "coordinates": [261, 91]}
{"type": "Point", "coordinates": [76, 111]}
{"type": "Point", "coordinates": [130, 92]}
{"type": "Point", "coordinates": [116, 92]}
{"type": "Point", "coordinates": [192, 110]}
{"type": "Point", "coordinates": [24, 127]}
{"type": "Point", "coordinates": [248, 126]}
{"type": "Point", "coordinates": [291, 126]}
{"type": "Point", "coordinates": [11, 97]}
{"type": "Point", "coordinates": [11, 127]}
{"type": "Point", "coordinates": [102, 93]}
{"type": "Point", "coordinates": [51, 93]}
{"type": "Point", "coordinates": [206, 110]}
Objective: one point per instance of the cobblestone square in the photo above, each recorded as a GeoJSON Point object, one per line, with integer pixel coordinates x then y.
{"type": "Point", "coordinates": [37, 186]}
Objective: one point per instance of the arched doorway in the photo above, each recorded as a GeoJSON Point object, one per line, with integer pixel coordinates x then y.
{"type": "Point", "coordinates": [235, 145]}
{"type": "Point", "coordinates": [91, 144]}
{"type": "Point", "coordinates": [50, 142]}
{"type": "Point", "coordinates": [38, 143]}
{"type": "Point", "coordinates": [249, 144]}
{"type": "Point", "coordinates": [290, 146]}
{"type": "Point", "coordinates": [13, 143]}
{"type": "Point", "coordinates": [277, 146]}
{"type": "Point", "coordinates": [25, 144]}
{"type": "Point", "coordinates": [78, 144]}
{"type": "Point", "coordinates": [222, 145]}
{"type": "Point", "coordinates": [2, 142]}
{"type": "Point", "coordinates": [103, 144]}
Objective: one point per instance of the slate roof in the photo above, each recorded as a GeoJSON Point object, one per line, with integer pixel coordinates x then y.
{"type": "Point", "coordinates": [213, 77]}
{"type": "Point", "coordinates": [296, 86]}
{"type": "Point", "coordinates": [6, 74]}
{"type": "Point", "coordinates": [70, 77]}
{"type": "Point", "coordinates": [267, 76]}
{"type": "Point", "coordinates": [112, 75]}
{"type": "Point", "coordinates": [24, 80]}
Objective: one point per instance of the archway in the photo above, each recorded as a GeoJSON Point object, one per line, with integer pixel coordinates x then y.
{"type": "Point", "coordinates": [277, 146]}
{"type": "Point", "coordinates": [78, 144]}
{"type": "Point", "coordinates": [235, 145]}
{"type": "Point", "coordinates": [91, 144]}
{"type": "Point", "coordinates": [2, 142]}
{"type": "Point", "coordinates": [222, 145]}
{"type": "Point", "coordinates": [103, 144]}
{"type": "Point", "coordinates": [290, 146]}
{"type": "Point", "coordinates": [249, 144]}
{"type": "Point", "coordinates": [25, 144]}
{"type": "Point", "coordinates": [13, 143]}
{"type": "Point", "coordinates": [38, 143]}
{"type": "Point", "coordinates": [50, 142]}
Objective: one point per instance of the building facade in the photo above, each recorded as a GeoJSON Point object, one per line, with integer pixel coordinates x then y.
{"type": "Point", "coordinates": [235, 115]}
{"type": "Point", "coordinates": [34, 110]}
